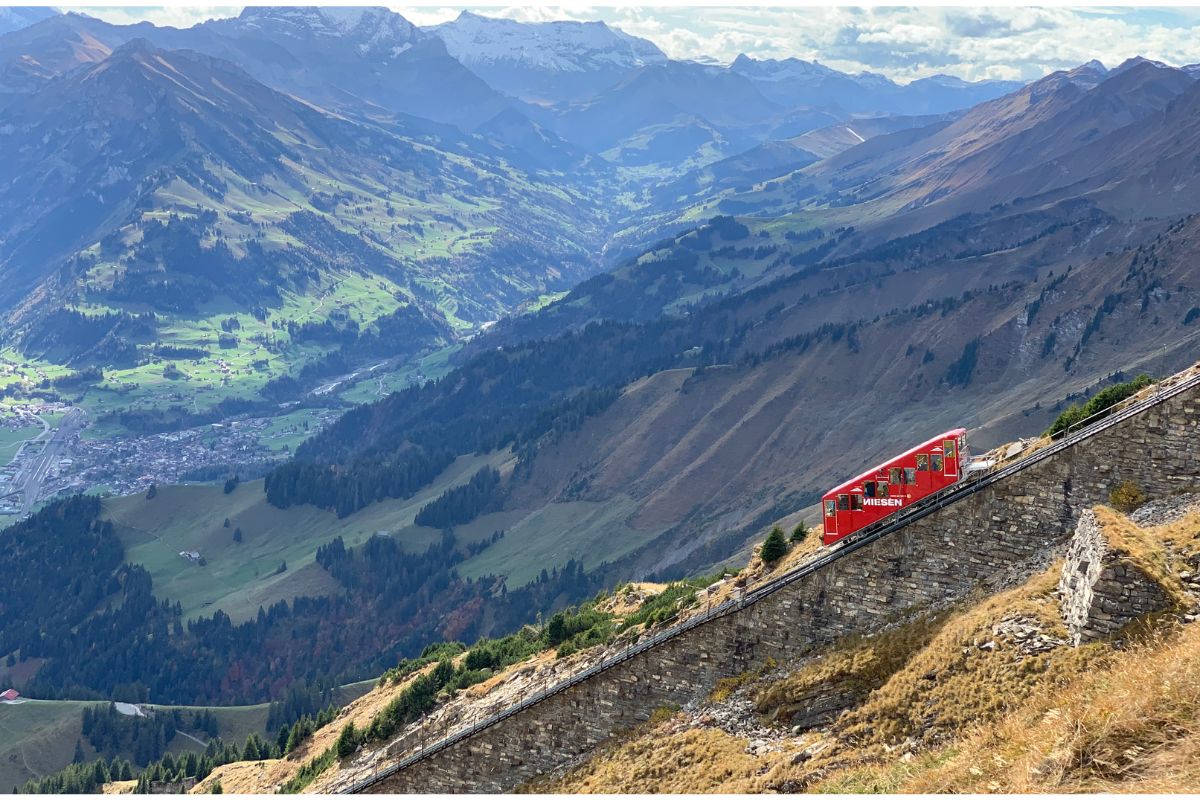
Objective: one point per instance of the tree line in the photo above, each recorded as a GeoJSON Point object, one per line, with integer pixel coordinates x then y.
{"type": "Point", "coordinates": [111, 638]}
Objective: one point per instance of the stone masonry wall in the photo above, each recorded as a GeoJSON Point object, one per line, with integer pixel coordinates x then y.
{"type": "Point", "coordinates": [1101, 590]}
{"type": "Point", "coordinates": [994, 538]}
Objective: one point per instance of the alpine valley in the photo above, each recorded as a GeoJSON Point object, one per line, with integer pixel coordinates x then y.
{"type": "Point", "coordinates": [331, 342]}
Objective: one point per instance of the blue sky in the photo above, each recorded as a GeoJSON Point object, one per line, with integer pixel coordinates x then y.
{"type": "Point", "coordinates": [903, 43]}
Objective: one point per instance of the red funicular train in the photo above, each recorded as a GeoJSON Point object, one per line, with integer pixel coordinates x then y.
{"type": "Point", "coordinates": [927, 468]}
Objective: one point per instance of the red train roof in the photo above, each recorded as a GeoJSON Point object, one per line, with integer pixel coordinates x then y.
{"type": "Point", "coordinates": [871, 473]}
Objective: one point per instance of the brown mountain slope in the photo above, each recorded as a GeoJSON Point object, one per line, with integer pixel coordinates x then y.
{"type": "Point", "coordinates": [1065, 136]}
{"type": "Point", "coordinates": [1036, 124]}
{"type": "Point", "coordinates": [715, 456]}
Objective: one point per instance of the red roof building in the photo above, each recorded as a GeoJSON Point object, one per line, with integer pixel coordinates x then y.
{"type": "Point", "coordinates": [9, 694]}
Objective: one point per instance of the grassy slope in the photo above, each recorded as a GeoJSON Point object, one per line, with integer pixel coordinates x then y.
{"type": "Point", "coordinates": [11, 440]}
{"type": "Point", "coordinates": [238, 578]}
{"type": "Point", "coordinates": [592, 532]}
{"type": "Point", "coordinates": [242, 370]}
{"type": "Point", "coordinates": [38, 736]}
{"type": "Point", "coordinates": [384, 381]}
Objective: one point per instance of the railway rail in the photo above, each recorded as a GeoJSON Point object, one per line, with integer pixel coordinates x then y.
{"type": "Point", "coordinates": [1081, 431]}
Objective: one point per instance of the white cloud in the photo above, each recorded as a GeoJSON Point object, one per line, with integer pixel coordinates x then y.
{"type": "Point", "coordinates": [1008, 42]}
{"type": "Point", "coordinates": [174, 16]}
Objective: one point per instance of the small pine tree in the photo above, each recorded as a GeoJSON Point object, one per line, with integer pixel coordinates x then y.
{"type": "Point", "coordinates": [281, 740]}
{"type": "Point", "coordinates": [251, 752]}
{"type": "Point", "coordinates": [774, 548]}
{"type": "Point", "coordinates": [216, 788]}
{"type": "Point", "coordinates": [226, 523]}
{"type": "Point", "coordinates": [295, 737]}
{"type": "Point", "coordinates": [152, 492]}
{"type": "Point", "coordinates": [78, 757]}
{"type": "Point", "coordinates": [347, 741]}
{"type": "Point", "coordinates": [237, 535]}
{"type": "Point", "coordinates": [799, 532]}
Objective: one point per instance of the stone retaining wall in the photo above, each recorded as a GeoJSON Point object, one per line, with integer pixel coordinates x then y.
{"type": "Point", "coordinates": [1101, 590]}
{"type": "Point", "coordinates": [995, 538]}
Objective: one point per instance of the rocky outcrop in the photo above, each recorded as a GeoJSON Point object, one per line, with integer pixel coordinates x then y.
{"type": "Point", "coordinates": [1102, 589]}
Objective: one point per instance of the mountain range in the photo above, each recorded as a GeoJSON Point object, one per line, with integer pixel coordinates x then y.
{"type": "Point", "coordinates": [191, 185]}
{"type": "Point", "coordinates": [619, 313]}
{"type": "Point", "coordinates": [187, 153]}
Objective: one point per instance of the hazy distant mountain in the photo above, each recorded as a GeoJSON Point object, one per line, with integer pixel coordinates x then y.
{"type": "Point", "coordinates": [684, 113]}
{"type": "Point", "coordinates": [348, 55]}
{"type": "Point", "coordinates": [367, 61]}
{"type": "Point", "coordinates": [14, 18]}
{"type": "Point", "coordinates": [165, 179]}
{"type": "Point", "coordinates": [34, 55]}
{"type": "Point", "coordinates": [666, 113]}
{"type": "Point", "coordinates": [545, 62]}
{"type": "Point", "coordinates": [997, 141]}
{"type": "Point", "coordinates": [793, 81]}
{"type": "Point", "coordinates": [544, 148]}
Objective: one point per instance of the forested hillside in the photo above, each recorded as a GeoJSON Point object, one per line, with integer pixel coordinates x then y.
{"type": "Point", "coordinates": [115, 640]}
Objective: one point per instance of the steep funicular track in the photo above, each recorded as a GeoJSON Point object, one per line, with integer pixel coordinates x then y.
{"type": "Point", "coordinates": [907, 516]}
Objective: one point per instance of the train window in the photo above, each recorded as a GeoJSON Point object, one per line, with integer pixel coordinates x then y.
{"type": "Point", "coordinates": [883, 489]}
{"type": "Point", "coordinates": [830, 508]}
{"type": "Point", "coordinates": [936, 461]}
{"type": "Point", "coordinates": [856, 502]}
{"type": "Point", "coordinates": [894, 476]}
{"type": "Point", "coordinates": [843, 502]}
{"type": "Point", "coordinates": [948, 448]}
{"type": "Point", "coordinates": [869, 489]}
{"type": "Point", "coordinates": [910, 475]}
{"type": "Point", "coordinates": [923, 462]}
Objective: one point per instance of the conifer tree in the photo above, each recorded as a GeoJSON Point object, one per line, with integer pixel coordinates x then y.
{"type": "Point", "coordinates": [251, 751]}
{"type": "Point", "coordinates": [774, 548]}
{"type": "Point", "coordinates": [347, 741]}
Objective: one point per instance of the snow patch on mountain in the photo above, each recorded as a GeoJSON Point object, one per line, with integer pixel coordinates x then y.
{"type": "Point", "coordinates": [787, 69]}
{"type": "Point", "coordinates": [369, 30]}
{"type": "Point", "coordinates": [559, 46]}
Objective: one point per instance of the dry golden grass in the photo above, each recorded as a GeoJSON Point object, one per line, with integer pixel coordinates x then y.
{"type": "Point", "coordinates": [659, 760]}
{"type": "Point", "coordinates": [856, 666]}
{"type": "Point", "coordinates": [1146, 548]}
{"type": "Point", "coordinates": [951, 683]}
{"type": "Point", "coordinates": [1105, 720]}
{"type": "Point", "coordinates": [727, 686]}
{"type": "Point", "coordinates": [1132, 727]}
{"type": "Point", "coordinates": [928, 679]}
{"type": "Point", "coordinates": [119, 787]}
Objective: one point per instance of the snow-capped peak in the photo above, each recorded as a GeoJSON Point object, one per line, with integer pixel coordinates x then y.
{"type": "Point", "coordinates": [782, 69]}
{"type": "Point", "coordinates": [370, 29]}
{"type": "Point", "coordinates": [561, 46]}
